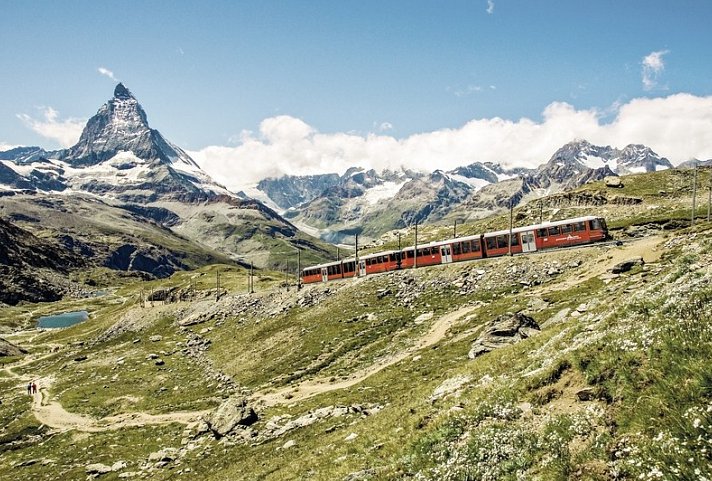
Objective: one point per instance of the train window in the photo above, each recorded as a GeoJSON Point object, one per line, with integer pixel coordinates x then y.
{"type": "Point", "coordinates": [392, 257]}
{"type": "Point", "coordinates": [595, 224]}
{"type": "Point", "coordinates": [579, 226]}
{"type": "Point", "coordinates": [554, 230]}
{"type": "Point", "coordinates": [515, 240]}
{"type": "Point", "coordinates": [502, 241]}
{"type": "Point", "coordinates": [541, 233]}
{"type": "Point", "coordinates": [476, 245]}
{"type": "Point", "coordinates": [491, 243]}
{"type": "Point", "coordinates": [457, 248]}
{"type": "Point", "coordinates": [566, 228]}
{"type": "Point", "coordinates": [465, 247]}
{"type": "Point", "coordinates": [409, 254]}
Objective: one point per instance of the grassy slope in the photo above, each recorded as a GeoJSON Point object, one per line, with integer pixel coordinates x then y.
{"type": "Point", "coordinates": [641, 345]}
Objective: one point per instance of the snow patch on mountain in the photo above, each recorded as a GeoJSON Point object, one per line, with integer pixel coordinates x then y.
{"type": "Point", "coordinates": [387, 190]}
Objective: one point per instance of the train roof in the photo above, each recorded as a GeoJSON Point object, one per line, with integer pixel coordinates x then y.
{"type": "Point", "coordinates": [542, 225]}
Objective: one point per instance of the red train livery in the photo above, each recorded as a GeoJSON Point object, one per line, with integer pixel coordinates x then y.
{"type": "Point", "coordinates": [549, 235]}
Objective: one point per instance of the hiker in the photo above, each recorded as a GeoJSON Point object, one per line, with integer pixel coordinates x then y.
{"type": "Point", "coordinates": [34, 388]}
{"type": "Point", "coordinates": [29, 389]}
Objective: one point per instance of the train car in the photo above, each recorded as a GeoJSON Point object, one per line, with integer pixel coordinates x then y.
{"type": "Point", "coordinates": [547, 235]}
{"type": "Point", "coordinates": [330, 271]}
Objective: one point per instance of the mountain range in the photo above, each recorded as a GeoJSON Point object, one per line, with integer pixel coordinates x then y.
{"type": "Point", "coordinates": [122, 162]}
{"type": "Point", "coordinates": [369, 203]}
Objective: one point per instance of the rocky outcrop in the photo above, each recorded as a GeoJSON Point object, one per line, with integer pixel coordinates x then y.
{"type": "Point", "coordinates": [8, 349]}
{"type": "Point", "coordinates": [157, 262]}
{"type": "Point", "coordinates": [504, 330]}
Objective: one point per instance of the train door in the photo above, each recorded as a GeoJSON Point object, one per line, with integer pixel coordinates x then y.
{"type": "Point", "coordinates": [362, 267]}
{"type": "Point", "coordinates": [528, 241]}
{"type": "Point", "coordinates": [446, 254]}
{"type": "Point", "coordinates": [324, 274]}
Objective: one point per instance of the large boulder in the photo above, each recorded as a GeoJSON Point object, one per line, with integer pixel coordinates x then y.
{"type": "Point", "coordinates": [230, 414]}
{"type": "Point", "coordinates": [613, 181]}
{"type": "Point", "coordinates": [504, 330]}
{"type": "Point", "coordinates": [627, 265]}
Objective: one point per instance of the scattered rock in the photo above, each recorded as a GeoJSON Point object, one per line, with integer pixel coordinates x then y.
{"type": "Point", "coordinates": [118, 465]}
{"type": "Point", "coordinates": [155, 338]}
{"type": "Point", "coordinates": [164, 455]}
{"type": "Point", "coordinates": [97, 469]}
{"type": "Point", "coordinates": [351, 437]}
{"type": "Point", "coordinates": [449, 386]}
{"type": "Point", "coordinates": [289, 444]}
{"type": "Point", "coordinates": [80, 358]}
{"type": "Point", "coordinates": [504, 330]}
{"type": "Point", "coordinates": [586, 394]}
{"type": "Point", "coordinates": [159, 362]}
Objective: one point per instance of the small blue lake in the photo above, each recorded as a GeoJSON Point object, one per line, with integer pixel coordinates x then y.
{"type": "Point", "coordinates": [63, 320]}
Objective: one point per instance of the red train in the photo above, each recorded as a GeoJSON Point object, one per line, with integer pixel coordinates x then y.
{"type": "Point", "coordinates": [549, 235]}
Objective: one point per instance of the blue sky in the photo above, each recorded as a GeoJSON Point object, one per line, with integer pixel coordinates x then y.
{"type": "Point", "coordinates": [209, 74]}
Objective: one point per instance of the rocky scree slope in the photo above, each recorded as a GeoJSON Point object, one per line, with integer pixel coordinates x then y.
{"type": "Point", "coordinates": [29, 266]}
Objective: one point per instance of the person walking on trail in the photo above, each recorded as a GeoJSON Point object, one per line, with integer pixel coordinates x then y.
{"type": "Point", "coordinates": [29, 389]}
{"type": "Point", "coordinates": [34, 388]}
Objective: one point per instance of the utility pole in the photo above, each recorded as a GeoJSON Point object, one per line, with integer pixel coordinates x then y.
{"type": "Point", "coordinates": [511, 224]}
{"type": "Point", "coordinates": [252, 278]}
{"type": "Point", "coordinates": [338, 257]}
{"type": "Point", "coordinates": [694, 195]}
{"type": "Point", "coordinates": [358, 269]}
{"type": "Point", "coordinates": [454, 230]}
{"type": "Point", "coordinates": [400, 253]}
{"type": "Point", "coordinates": [217, 285]}
{"type": "Point", "coordinates": [541, 211]}
{"type": "Point", "coordinates": [709, 198]}
{"type": "Point", "coordinates": [299, 269]}
{"type": "Point", "coordinates": [415, 247]}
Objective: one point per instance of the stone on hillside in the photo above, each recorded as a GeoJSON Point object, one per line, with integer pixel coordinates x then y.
{"type": "Point", "coordinates": [118, 465]}
{"type": "Point", "coordinates": [231, 413]}
{"type": "Point", "coordinates": [504, 330]}
{"type": "Point", "coordinates": [155, 338]}
{"type": "Point", "coordinates": [614, 182]}
{"type": "Point", "coordinates": [627, 265]}
{"type": "Point", "coordinates": [97, 469]}
{"type": "Point", "coordinates": [9, 349]}
{"type": "Point", "coordinates": [164, 455]}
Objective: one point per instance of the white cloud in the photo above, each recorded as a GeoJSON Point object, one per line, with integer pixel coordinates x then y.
{"type": "Point", "coordinates": [653, 66]}
{"type": "Point", "coordinates": [385, 126]}
{"type": "Point", "coordinates": [107, 73]}
{"type": "Point", "coordinates": [678, 127]}
{"type": "Point", "coordinates": [4, 146]}
{"type": "Point", "coordinates": [65, 132]}
{"type": "Point", "coordinates": [490, 7]}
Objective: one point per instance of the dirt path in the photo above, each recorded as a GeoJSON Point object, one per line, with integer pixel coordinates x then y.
{"type": "Point", "coordinates": [52, 414]}
{"type": "Point", "coordinates": [307, 389]}
{"type": "Point", "coordinates": [648, 248]}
